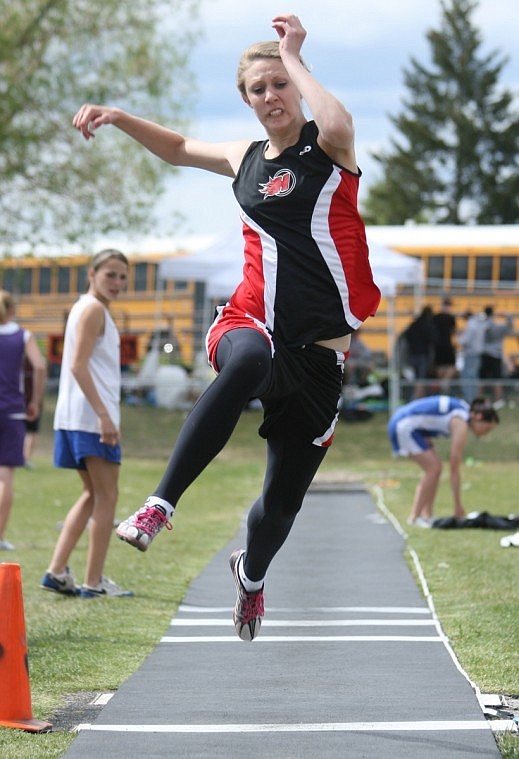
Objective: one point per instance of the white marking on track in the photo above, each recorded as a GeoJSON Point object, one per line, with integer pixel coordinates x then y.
{"type": "Point", "coordinates": [186, 622]}
{"type": "Point", "coordinates": [314, 609]}
{"type": "Point", "coordinates": [317, 727]}
{"type": "Point", "coordinates": [304, 639]}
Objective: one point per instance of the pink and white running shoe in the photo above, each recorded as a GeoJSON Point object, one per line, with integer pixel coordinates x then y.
{"type": "Point", "coordinates": [249, 609]}
{"type": "Point", "coordinates": [140, 528]}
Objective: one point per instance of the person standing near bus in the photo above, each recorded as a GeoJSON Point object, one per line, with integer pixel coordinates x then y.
{"type": "Point", "coordinates": [444, 324]}
{"type": "Point", "coordinates": [285, 332]}
{"type": "Point", "coordinates": [15, 345]}
{"type": "Point", "coordinates": [492, 356]}
{"type": "Point", "coordinates": [86, 424]}
{"type": "Point", "coordinates": [471, 341]}
{"type": "Point", "coordinates": [420, 337]}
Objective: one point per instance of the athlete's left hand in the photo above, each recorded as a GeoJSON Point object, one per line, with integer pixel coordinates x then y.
{"type": "Point", "coordinates": [291, 33]}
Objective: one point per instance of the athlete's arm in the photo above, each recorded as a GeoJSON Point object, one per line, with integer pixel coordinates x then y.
{"type": "Point", "coordinates": [35, 358]}
{"type": "Point", "coordinates": [335, 123]}
{"type": "Point", "coordinates": [459, 432]}
{"type": "Point", "coordinates": [172, 147]}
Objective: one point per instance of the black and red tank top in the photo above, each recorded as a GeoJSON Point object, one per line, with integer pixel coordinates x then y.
{"type": "Point", "coordinates": [307, 275]}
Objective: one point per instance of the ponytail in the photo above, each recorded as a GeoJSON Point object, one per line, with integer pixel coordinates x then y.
{"type": "Point", "coordinates": [7, 302]}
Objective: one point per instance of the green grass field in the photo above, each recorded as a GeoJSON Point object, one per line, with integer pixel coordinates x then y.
{"type": "Point", "coordinates": [78, 647]}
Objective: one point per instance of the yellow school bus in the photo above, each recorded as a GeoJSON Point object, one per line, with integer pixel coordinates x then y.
{"type": "Point", "coordinates": [474, 266]}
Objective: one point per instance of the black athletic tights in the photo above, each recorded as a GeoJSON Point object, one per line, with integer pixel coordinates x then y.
{"type": "Point", "coordinates": [245, 363]}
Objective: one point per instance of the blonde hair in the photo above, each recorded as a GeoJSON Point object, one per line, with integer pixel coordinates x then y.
{"type": "Point", "coordinates": [256, 52]}
{"type": "Point", "coordinates": [105, 255]}
{"type": "Point", "coordinates": [7, 302]}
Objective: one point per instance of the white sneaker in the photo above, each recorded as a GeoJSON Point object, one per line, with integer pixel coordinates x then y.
{"type": "Point", "coordinates": [105, 588]}
{"type": "Point", "coordinates": [510, 540]}
{"type": "Point", "coordinates": [420, 522]}
{"type": "Point", "coordinates": [6, 546]}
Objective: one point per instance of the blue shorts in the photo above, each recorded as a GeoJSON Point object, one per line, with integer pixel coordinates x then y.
{"type": "Point", "coordinates": [12, 435]}
{"type": "Point", "coordinates": [72, 447]}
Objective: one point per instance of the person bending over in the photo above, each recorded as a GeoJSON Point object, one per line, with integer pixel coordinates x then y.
{"type": "Point", "coordinates": [412, 429]}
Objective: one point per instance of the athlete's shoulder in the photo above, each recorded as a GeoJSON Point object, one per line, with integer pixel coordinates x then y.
{"type": "Point", "coordinates": [458, 404]}
{"type": "Point", "coordinates": [310, 129]}
{"type": "Point", "coordinates": [255, 148]}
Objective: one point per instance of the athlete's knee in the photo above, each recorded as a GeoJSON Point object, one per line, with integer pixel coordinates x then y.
{"type": "Point", "coordinates": [436, 468]}
{"type": "Point", "coordinates": [275, 512]}
{"type": "Point", "coordinates": [283, 507]}
{"type": "Point", "coordinates": [432, 467]}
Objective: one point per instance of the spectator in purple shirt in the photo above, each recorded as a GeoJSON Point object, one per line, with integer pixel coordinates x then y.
{"type": "Point", "coordinates": [15, 344]}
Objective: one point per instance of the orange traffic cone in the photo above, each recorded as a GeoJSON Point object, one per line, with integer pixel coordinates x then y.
{"type": "Point", "coordinates": [15, 690]}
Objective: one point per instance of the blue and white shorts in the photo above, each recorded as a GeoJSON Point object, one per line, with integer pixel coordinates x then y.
{"type": "Point", "coordinates": [406, 439]}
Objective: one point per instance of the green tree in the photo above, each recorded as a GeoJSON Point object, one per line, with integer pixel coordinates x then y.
{"type": "Point", "coordinates": [57, 54]}
{"type": "Point", "coordinates": [455, 161]}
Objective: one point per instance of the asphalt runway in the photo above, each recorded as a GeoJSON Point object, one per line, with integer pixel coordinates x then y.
{"type": "Point", "coordinates": [350, 662]}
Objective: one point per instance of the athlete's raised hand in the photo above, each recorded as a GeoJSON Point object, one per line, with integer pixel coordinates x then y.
{"type": "Point", "coordinates": [291, 33]}
{"type": "Point", "coordinates": [91, 117]}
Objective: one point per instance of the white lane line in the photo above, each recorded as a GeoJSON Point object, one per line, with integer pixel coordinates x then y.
{"type": "Point", "coordinates": [425, 589]}
{"type": "Point", "coordinates": [318, 727]}
{"type": "Point", "coordinates": [303, 639]}
{"type": "Point", "coordinates": [186, 622]}
{"type": "Point", "coordinates": [315, 609]}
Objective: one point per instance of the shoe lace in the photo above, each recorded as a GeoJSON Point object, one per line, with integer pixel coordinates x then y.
{"type": "Point", "coordinates": [152, 520]}
{"type": "Point", "coordinates": [251, 606]}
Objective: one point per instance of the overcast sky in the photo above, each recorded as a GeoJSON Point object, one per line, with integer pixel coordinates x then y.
{"type": "Point", "coordinates": [356, 49]}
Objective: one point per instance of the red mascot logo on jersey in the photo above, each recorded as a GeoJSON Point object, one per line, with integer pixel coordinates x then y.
{"type": "Point", "coordinates": [281, 184]}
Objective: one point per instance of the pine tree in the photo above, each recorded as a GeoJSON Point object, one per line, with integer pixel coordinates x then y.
{"type": "Point", "coordinates": [456, 159]}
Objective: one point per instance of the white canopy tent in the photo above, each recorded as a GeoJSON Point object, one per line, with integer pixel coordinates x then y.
{"type": "Point", "coordinates": [220, 265]}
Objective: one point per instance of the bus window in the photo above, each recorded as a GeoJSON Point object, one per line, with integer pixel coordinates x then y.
{"type": "Point", "coordinates": [483, 269]}
{"type": "Point", "coordinates": [82, 279]}
{"type": "Point", "coordinates": [460, 268]}
{"type": "Point", "coordinates": [26, 281]}
{"type": "Point", "coordinates": [44, 285]}
{"type": "Point", "coordinates": [436, 267]}
{"type": "Point", "coordinates": [140, 277]}
{"type": "Point", "coordinates": [64, 279]}
{"type": "Point", "coordinates": [508, 269]}
{"type": "Point", "coordinates": [8, 280]}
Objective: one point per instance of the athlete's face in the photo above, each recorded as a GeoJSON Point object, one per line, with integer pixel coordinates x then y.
{"type": "Point", "coordinates": [108, 281]}
{"type": "Point", "coordinates": [479, 427]}
{"type": "Point", "coordinates": [270, 93]}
